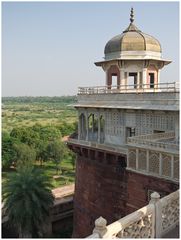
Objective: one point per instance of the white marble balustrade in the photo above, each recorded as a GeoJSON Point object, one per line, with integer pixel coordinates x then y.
{"type": "Point", "coordinates": [152, 221]}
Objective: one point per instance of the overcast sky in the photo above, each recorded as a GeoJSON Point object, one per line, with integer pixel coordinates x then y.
{"type": "Point", "coordinates": [49, 48]}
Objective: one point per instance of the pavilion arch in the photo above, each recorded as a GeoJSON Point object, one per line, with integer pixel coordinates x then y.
{"type": "Point", "coordinates": [93, 127]}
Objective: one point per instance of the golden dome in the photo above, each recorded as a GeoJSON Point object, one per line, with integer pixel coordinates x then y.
{"type": "Point", "coordinates": [132, 39]}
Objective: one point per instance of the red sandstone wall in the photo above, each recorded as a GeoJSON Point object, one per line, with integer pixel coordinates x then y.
{"type": "Point", "coordinates": [138, 186]}
{"type": "Point", "coordinates": [103, 189]}
{"type": "Point", "coordinates": [100, 191]}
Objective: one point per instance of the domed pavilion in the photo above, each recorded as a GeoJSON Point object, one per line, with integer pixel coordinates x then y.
{"type": "Point", "coordinates": [133, 58]}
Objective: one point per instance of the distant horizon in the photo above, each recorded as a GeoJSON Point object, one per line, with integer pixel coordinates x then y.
{"type": "Point", "coordinates": [49, 48]}
{"type": "Point", "coordinates": [39, 96]}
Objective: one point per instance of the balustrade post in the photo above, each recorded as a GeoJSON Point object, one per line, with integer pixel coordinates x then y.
{"type": "Point", "coordinates": [100, 227]}
{"type": "Point", "coordinates": [155, 199]}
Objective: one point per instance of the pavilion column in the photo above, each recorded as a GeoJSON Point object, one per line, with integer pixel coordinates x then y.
{"type": "Point", "coordinates": [122, 78]}
{"type": "Point", "coordinates": [92, 123]}
{"type": "Point", "coordinates": [144, 77]}
{"type": "Point", "coordinates": [125, 80]}
{"type": "Point", "coordinates": [158, 78]}
{"type": "Point", "coordinates": [87, 126]}
{"type": "Point", "coordinates": [138, 80]}
{"type": "Point", "coordinates": [79, 127]}
{"type": "Point", "coordinates": [99, 129]}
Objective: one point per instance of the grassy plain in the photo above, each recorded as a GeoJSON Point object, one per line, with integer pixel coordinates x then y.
{"type": "Point", "coordinates": [46, 111]}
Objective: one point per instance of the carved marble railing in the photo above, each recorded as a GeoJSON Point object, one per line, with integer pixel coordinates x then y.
{"type": "Point", "coordinates": [152, 221]}
{"type": "Point", "coordinates": [168, 213]}
{"type": "Point", "coordinates": [155, 163]}
{"type": "Point", "coordinates": [154, 140]}
{"type": "Point", "coordinates": [154, 136]}
{"type": "Point", "coordinates": [161, 87]}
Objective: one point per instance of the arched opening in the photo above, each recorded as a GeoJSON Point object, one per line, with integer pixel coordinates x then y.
{"type": "Point", "coordinates": [93, 127]}
{"type": "Point", "coordinates": [113, 77]}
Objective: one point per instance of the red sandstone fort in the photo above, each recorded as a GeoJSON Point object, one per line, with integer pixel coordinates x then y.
{"type": "Point", "coordinates": [128, 133]}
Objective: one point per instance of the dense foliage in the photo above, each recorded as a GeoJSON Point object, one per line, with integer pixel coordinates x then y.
{"type": "Point", "coordinates": [8, 149]}
{"type": "Point", "coordinates": [24, 145]}
{"type": "Point", "coordinates": [45, 111]}
{"type": "Point", "coordinates": [30, 140]}
{"type": "Point", "coordinates": [33, 128]}
{"type": "Point", "coordinates": [23, 100]}
{"type": "Point", "coordinates": [32, 152]}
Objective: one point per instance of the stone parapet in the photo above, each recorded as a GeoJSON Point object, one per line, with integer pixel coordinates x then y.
{"type": "Point", "coordinates": [152, 221]}
{"type": "Point", "coordinates": [131, 100]}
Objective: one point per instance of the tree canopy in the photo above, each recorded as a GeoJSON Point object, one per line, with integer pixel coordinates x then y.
{"type": "Point", "coordinates": [27, 199]}
{"type": "Point", "coordinates": [56, 151]}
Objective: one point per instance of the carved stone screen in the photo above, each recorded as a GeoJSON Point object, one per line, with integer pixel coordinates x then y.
{"type": "Point", "coordinates": [176, 167]}
{"type": "Point", "coordinates": [153, 162]}
{"type": "Point", "coordinates": [132, 159]}
{"type": "Point", "coordinates": [166, 165]}
{"type": "Point", "coordinates": [142, 160]}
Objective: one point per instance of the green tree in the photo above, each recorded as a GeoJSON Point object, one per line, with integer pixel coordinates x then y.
{"type": "Point", "coordinates": [68, 128]}
{"type": "Point", "coordinates": [27, 199]}
{"type": "Point", "coordinates": [47, 133]}
{"type": "Point", "coordinates": [41, 151]}
{"type": "Point", "coordinates": [8, 150]}
{"type": "Point", "coordinates": [56, 151]}
{"type": "Point", "coordinates": [37, 138]}
{"type": "Point", "coordinates": [25, 155]}
{"type": "Point", "coordinates": [26, 135]}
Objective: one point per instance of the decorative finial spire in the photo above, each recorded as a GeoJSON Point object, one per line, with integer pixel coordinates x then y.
{"type": "Point", "coordinates": [132, 16]}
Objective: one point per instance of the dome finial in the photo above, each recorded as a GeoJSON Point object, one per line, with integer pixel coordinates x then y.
{"type": "Point", "coordinates": [132, 16]}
